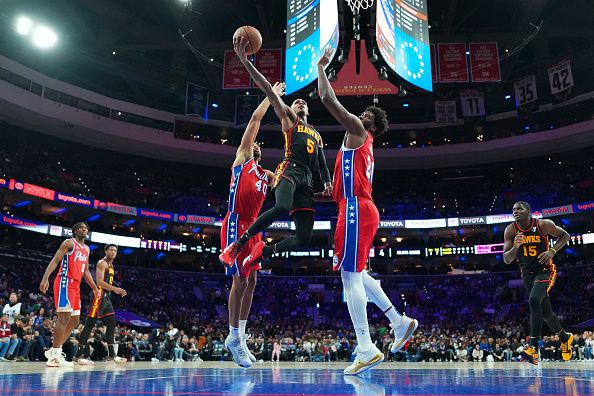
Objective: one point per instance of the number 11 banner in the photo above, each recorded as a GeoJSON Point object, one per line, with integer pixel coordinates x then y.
{"type": "Point", "coordinates": [473, 103]}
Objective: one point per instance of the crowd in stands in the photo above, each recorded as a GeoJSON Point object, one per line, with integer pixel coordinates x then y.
{"type": "Point", "coordinates": [480, 317]}
{"type": "Point", "coordinates": [72, 168]}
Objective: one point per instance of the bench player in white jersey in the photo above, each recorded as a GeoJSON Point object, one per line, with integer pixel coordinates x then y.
{"type": "Point", "coordinates": [247, 192]}
{"type": "Point", "coordinates": [357, 223]}
{"type": "Point", "coordinates": [73, 259]}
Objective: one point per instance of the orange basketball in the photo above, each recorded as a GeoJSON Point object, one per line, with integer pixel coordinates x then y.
{"type": "Point", "coordinates": [252, 35]}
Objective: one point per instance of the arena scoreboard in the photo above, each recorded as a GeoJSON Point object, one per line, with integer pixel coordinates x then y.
{"type": "Point", "coordinates": [312, 26]}
{"type": "Point", "coordinates": [402, 32]}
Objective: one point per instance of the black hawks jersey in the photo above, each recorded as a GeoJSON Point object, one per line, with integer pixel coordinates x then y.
{"type": "Point", "coordinates": [301, 144]}
{"type": "Point", "coordinates": [533, 245]}
{"type": "Point", "coordinates": [109, 275]}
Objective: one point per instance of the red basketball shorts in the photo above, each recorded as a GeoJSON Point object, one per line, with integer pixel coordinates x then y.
{"type": "Point", "coordinates": [233, 227]}
{"type": "Point", "coordinates": [358, 220]}
{"type": "Point", "coordinates": [67, 295]}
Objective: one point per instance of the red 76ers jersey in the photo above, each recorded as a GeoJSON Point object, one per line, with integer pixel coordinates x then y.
{"type": "Point", "coordinates": [353, 171]}
{"type": "Point", "coordinates": [74, 263]}
{"type": "Point", "coordinates": [247, 192]}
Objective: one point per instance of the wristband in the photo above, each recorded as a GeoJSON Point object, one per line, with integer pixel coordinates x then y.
{"type": "Point", "coordinates": [553, 249]}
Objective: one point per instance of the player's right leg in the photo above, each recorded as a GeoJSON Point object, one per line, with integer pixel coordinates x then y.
{"type": "Point", "coordinates": [246, 304]}
{"type": "Point", "coordinates": [536, 292]}
{"type": "Point", "coordinates": [283, 194]}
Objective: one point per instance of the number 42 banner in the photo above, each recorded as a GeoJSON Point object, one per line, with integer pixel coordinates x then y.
{"type": "Point", "coordinates": [560, 77]}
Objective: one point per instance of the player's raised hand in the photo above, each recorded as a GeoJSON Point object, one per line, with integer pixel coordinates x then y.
{"type": "Point", "coordinates": [325, 59]}
{"type": "Point", "coordinates": [43, 285]}
{"type": "Point", "coordinates": [279, 88]}
{"type": "Point", "coordinates": [518, 240]}
{"type": "Point", "coordinates": [240, 47]}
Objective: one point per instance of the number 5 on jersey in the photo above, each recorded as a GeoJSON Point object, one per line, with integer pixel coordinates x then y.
{"type": "Point", "coordinates": [310, 146]}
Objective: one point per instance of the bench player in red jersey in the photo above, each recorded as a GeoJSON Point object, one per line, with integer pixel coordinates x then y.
{"type": "Point", "coordinates": [248, 188]}
{"type": "Point", "coordinates": [73, 259]}
{"type": "Point", "coordinates": [357, 223]}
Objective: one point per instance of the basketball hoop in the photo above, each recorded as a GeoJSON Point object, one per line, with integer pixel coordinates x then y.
{"type": "Point", "coordinates": [357, 5]}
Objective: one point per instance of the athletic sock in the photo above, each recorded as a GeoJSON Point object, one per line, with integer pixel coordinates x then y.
{"type": "Point", "coordinates": [234, 331]}
{"type": "Point", "coordinates": [357, 306]}
{"type": "Point", "coordinates": [242, 325]}
{"type": "Point", "coordinates": [375, 292]}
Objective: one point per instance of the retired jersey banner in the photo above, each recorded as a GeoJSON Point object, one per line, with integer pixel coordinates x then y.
{"type": "Point", "coordinates": [269, 63]}
{"type": "Point", "coordinates": [473, 103]}
{"type": "Point", "coordinates": [560, 77]}
{"type": "Point", "coordinates": [434, 71]}
{"type": "Point", "coordinates": [235, 75]}
{"type": "Point", "coordinates": [445, 111]}
{"type": "Point", "coordinates": [196, 100]}
{"type": "Point", "coordinates": [484, 62]}
{"type": "Point", "coordinates": [245, 105]}
{"type": "Point", "coordinates": [452, 64]}
{"type": "Point", "coordinates": [525, 90]}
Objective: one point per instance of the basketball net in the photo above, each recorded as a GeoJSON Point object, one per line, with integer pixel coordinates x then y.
{"type": "Point", "coordinates": [357, 5]}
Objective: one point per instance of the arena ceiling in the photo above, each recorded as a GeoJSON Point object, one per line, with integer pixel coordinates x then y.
{"type": "Point", "coordinates": [151, 64]}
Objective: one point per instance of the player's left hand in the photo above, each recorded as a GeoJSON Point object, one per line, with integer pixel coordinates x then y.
{"type": "Point", "coordinates": [240, 47]}
{"type": "Point", "coordinates": [279, 88]}
{"type": "Point", "coordinates": [325, 59]}
{"type": "Point", "coordinates": [327, 189]}
{"type": "Point", "coordinates": [96, 292]}
{"type": "Point", "coordinates": [545, 257]}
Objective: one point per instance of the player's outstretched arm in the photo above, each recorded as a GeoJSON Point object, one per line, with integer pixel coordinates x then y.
{"type": "Point", "coordinates": [324, 172]}
{"type": "Point", "coordinates": [65, 247]}
{"type": "Point", "coordinates": [245, 149]}
{"type": "Point", "coordinates": [284, 112]}
{"type": "Point", "coordinates": [349, 121]}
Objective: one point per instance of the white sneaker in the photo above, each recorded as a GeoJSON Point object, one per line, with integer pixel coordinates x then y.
{"type": "Point", "coordinates": [154, 359]}
{"type": "Point", "coordinates": [235, 347]}
{"type": "Point", "coordinates": [62, 362]}
{"type": "Point", "coordinates": [244, 339]}
{"type": "Point", "coordinates": [365, 360]}
{"type": "Point", "coordinates": [52, 357]}
{"type": "Point", "coordinates": [85, 362]}
{"type": "Point", "coordinates": [118, 359]}
{"type": "Point", "coordinates": [402, 332]}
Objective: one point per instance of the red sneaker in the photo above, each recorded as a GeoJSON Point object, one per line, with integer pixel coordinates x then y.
{"type": "Point", "coordinates": [252, 262]}
{"type": "Point", "coordinates": [229, 255]}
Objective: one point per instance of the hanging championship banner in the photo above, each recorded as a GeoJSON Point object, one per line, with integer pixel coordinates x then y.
{"type": "Point", "coordinates": [560, 77]}
{"type": "Point", "coordinates": [525, 89]}
{"type": "Point", "coordinates": [245, 105]}
{"type": "Point", "coordinates": [453, 64]}
{"type": "Point", "coordinates": [445, 111]}
{"type": "Point", "coordinates": [484, 62]}
{"type": "Point", "coordinates": [269, 63]}
{"type": "Point", "coordinates": [235, 75]}
{"type": "Point", "coordinates": [196, 100]}
{"type": "Point", "coordinates": [434, 74]}
{"type": "Point", "coordinates": [473, 103]}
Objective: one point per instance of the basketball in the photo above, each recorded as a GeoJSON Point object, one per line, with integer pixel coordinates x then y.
{"type": "Point", "coordinates": [252, 35]}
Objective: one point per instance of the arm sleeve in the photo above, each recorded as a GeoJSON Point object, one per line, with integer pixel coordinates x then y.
{"type": "Point", "coordinates": [323, 167]}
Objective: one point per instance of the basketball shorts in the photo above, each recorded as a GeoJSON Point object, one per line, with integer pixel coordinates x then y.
{"type": "Point", "coordinates": [67, 295]}
{"type": "Point", "coordinates": [357, 223]}
{"type": "Point", "coordinates": [547, 275]}
{"type": "Point", "coordinates": [102, 306]}
{"type": "Point", "coordinates": [300, 176]}
{"type": "Point", "coordinates": [232, 228]}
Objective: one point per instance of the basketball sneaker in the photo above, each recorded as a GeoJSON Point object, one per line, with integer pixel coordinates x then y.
{"type": "Point", "coordinates": [252, 262]}
{"type": "Point", "coordinates": [364, 361]}
{"type": "Point", "coordinates": [62, 362]}
{"type": "Point", "coordinates": [530, 355]}
{"type": "Point", "coordinates": [52, 355]}
{"type": "Point", "coordinates": [84, 362]}
{"type": "Point", "coordinates": [244, 339]}
{"type": "Point", "coordinates": [402, 332]}
{"type": "Point", "coordinates": [566, 348]}
{"type": "Point", "coordinates": [229, 254]}
{"type": "Point", "coordinates": [235, 347]}
{"type": "Point", "coordinates": [117, 359]}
